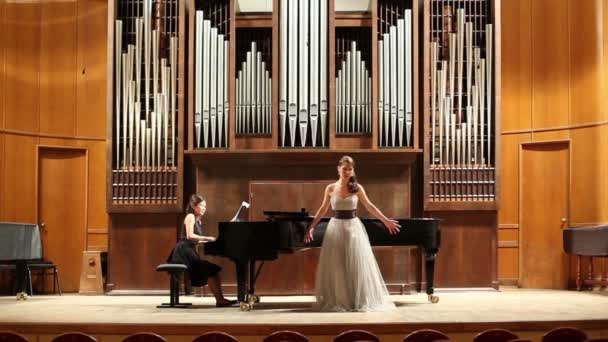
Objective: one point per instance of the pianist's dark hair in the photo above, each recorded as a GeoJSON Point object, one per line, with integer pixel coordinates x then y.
{"type": "Point", "coordinates": [353, 186]}
{"type": "Point", "coordinates": [194, 201]}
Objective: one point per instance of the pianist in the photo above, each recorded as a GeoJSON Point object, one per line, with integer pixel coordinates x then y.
{"type": "Point", "coordinates": [348, 277]}
{"type": "Point", "coordinates": [201, 271]}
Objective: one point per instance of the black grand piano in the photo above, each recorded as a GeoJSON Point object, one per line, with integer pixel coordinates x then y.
{"type": "Point", "coordinates": [246, 243]}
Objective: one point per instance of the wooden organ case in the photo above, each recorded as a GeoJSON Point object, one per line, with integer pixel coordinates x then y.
{"type": "Point", "coordinates": [274, 99]}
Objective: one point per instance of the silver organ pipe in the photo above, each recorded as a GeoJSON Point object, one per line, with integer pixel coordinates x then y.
{"type": "Point", "coordinates": [145, 106]}
{"type": "Point", "coordinates": [395, 110]}
{"type": "Point", "coordinates": [303, 92]}
{"type": "Point", "coordinates": [211, 85]}
{"type": "Point", "coordinates": [353, 94]}
{"type": "Point", "coordinates": [253, 100]}
{"type": "Point", "coordinates": [461, 109]}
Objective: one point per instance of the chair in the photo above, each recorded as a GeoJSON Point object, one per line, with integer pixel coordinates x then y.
{"type": "Point", "coordinates": [144, 337]}
{"type": "Point", "coordinates": [215, 336]}
{"type": "Point", "coordinates": [566, 334]}
{"type": "Point", "coordinates": [521, 340]}
{"type": "Point", "coordinates": [495, 335]}
{"type": "Point", "coordinates": [356, 336]}
{"type": "Point", "coordinates": [174, 271]}
{"type": "Point", "coordinates": [598, 340]}
{"type": "Point", "coordinates": [44, 266]}
{"type": "Point", "coordinates": [9, 336]}
{"type": "Point", "coordinates": [74, 337]}
{"type": "Point", "coordinates": [285, 336]}
{"type": "Point", "coordinates": [426, 335]}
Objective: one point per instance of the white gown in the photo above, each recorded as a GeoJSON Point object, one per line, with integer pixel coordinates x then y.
{"type": "Point", "coordinates": [348, 277]}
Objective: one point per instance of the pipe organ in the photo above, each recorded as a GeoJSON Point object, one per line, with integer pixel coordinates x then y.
{"type": "Point", "coordinates": [254, 87]}
{"type": "Point", "coordinates": [303, 73]}
{"type": "Point", "coordinates": [353, 83]}
{"type": "Point", "coordinates": [211, 94]}
{"type": "Point", "coordinates": [395, 80]}
{"type": "Point", "coordinates": [145, 106]}
{"type": "Point", "coordinates": [461, 137]}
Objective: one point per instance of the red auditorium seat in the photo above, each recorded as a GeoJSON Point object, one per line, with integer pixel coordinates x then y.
{"type": "Point", "coordinates": [356, 336]}
{"type": "Point", "coordinates": [215, 336]}
{"type": "Point", "coordinates": [74, 337]}
{"type": "Point", "coordinates": [9, 336]}
{"type": "Point", "coordinates": [598, 340]}
{"type": "Point", "coordinates": [426, 335]}
{"type": "Point", "coordinates": [495, 335]}
{"type": "Point", "coordinates": [144, 337]}
{"type": "Point", "coordinates": [285, 336]}
{"type": "Point", "coordinates": [564, 335]}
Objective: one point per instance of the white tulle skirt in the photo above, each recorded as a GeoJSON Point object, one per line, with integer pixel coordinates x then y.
{"type": "Point", "coordinates": [348, 277]}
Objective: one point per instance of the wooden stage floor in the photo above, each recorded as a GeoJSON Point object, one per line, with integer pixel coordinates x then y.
{"type": "Point", "coordinates": [458, 313]}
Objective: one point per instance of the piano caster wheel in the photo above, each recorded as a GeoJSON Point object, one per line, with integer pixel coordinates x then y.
{"type": "Point", "coordinates": [21, 296]}
{"type": "Point", "coordinates": [433, 299]}
{"type": "Point", "coordinates": [246, 306]}
{"type": "Point", "coordinates": [253, 299]}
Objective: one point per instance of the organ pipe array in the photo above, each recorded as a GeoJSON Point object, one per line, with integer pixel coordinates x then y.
{"type": "Point", "coordinates": [353, 94]}
{"type": "Point", "coordinates": [253, 95]}
{"type": "Point", "coordinates": [303, 73]}
{"type": "Point", "coordinates": [395, 84]}
{"type": "Point", "coordinates": [461, 94]}
{"type": "Point", "coordinates": [145, 106]}
{"type": "Point", "coordinates": [211, 101]}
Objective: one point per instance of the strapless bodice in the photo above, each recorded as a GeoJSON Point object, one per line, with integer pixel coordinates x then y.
{"type": "Point", "coordinates": [344, 203]}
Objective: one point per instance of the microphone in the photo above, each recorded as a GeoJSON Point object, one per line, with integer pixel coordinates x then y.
{"type": "Point", "coordinates": [236, 216]}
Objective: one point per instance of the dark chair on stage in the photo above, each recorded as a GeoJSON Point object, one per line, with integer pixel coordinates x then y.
{"type": "Point", "coordinates": [74, 337]}
{"type": "Point", "coordinates": [356, 336]}
{"type": "Point", "coordinates": [495, 335]}
{"type": "Point", "coordinates": [174, 270]}
{"type": "Point", "coordinates": [144, 337]}
{"type": "Point", "coordinates": [9, 336]}
{"type": "Point", "coordinates": [285, 336]}
{"type": "Point", "coordinates": [566, 334]}
{"type": "Point", "coordinates": [215, 336]}
{"type": "Point", "coordinates": [426, 335]}
{"type": "Point", "coordinates": [43, 268]}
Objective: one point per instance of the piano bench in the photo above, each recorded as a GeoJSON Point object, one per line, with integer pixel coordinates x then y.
{"type": "Point", "coordinates": [174, 271]}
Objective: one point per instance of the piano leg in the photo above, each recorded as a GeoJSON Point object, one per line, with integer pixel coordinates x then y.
{"type": "Point", "coordinates": [241, 279]}
{"type": "Point", "coordinates": [429, 264]}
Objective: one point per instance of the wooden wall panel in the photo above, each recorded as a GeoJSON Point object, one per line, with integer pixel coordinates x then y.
{"type": "Point", "coordinates": [508, 266]}
{"type": "Point", "coordinates": [97, 213]}
{"type": "Point", "coordinates": [550, 63]}
{"type": "Point", "coordinates": [139, 243]}
{"type": "Point", "coordinates": [587, 83]}
{"type": "Point", "coordinates": [516, 66]}
{"type": "Point", "coordinates": [91, 68]}
{"type": "Point", "coordinates": [509, 169]}
{"type": "Point", "coordinates": [58, 67]}
{"type": "Point", "coordinates": [2, 62]}
{"type": "Point", "coordinates": [97, 242]}
{"type": "Point", "coordinates": [603, 180]}
{"type": "Point", "coordinates": [585, 200]}
{"type": "Point", "coordinates": [551, 135]}
{"type": "Point", "coordinates": [466, 238]}
{"type": "Point", "coordinates": [22, 65]}
{"type": "Point", "coordinates": [20, 178]}
{"type": "Point", "coordinates": [2, 178]}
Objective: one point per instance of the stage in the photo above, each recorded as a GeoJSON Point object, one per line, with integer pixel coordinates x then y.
{"type": "Point", "coordinates": [460, 313]}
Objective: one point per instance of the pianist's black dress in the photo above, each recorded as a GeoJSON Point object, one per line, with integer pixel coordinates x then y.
{"type": "Point", "coordinates": [185, 253]}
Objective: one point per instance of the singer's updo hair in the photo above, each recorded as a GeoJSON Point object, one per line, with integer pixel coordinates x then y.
{"type": "Point", "coordinates": [193, 202]}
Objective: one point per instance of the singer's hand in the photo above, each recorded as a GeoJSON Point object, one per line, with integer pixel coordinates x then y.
{"type": "Point", "coordinates": [308, 236]}
{"type": "Point", "coordinates": [392, 226]}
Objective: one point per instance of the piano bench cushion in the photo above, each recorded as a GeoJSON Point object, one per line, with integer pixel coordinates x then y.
{"type": "Point", "coordinates": [171, 268]}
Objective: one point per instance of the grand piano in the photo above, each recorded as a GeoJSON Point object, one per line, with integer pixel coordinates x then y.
{"type": "Point", "coordinates": [246, 243]}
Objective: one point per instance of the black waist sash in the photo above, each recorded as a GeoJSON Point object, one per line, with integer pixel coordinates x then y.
{"type": "Point", "coordinates": [345, 214]}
